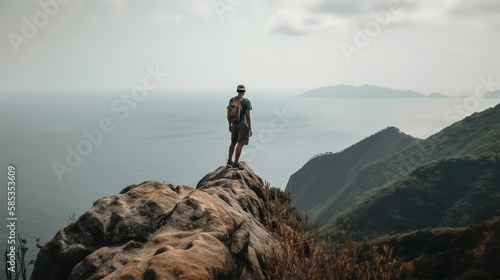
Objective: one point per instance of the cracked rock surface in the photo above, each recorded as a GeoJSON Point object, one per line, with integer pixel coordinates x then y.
{"type": "Point", "coordinates": [156, 231]}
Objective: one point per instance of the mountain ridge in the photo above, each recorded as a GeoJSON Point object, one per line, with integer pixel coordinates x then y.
{"type": "Point", "coordinates": [451, 192]}
{"type": "Point", "coordinates": [478, 134]}
{"type": "Point", "coordinates": [364, 91]}
{"type": "Point", "coordinates": [369, 149]}
{"type": "Point", "coordinates": [492, 94]}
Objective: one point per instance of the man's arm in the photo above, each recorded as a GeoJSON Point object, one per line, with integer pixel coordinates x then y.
{"type": "Point", "coordinates": [228, 120]}
{"type": "Point", "coordinates": [249, 121]}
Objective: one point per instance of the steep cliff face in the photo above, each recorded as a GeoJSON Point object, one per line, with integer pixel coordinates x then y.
{"type": "Point", "coordinates": [156, 231]}
{"type": "Point", "coordinates": [324, 177]}
{"type": "Point", "coordinates": [329, 185]}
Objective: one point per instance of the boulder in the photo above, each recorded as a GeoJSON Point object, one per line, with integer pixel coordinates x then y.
{"type": "Point", "coordinates": [155, 231]}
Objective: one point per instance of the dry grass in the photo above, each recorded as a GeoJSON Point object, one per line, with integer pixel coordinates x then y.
{"type": "Point", "coordinates": [298, 255]}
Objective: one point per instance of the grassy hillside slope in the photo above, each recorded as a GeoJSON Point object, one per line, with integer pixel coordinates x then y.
{"type": "Point", "coordinates": [446, 253]}
{"type": "Point", "coordinates": [453, 192]}
{"type": "Point", "coordinates": [476, 135]}
{"type": "Point", "coordinates": [323, 176]}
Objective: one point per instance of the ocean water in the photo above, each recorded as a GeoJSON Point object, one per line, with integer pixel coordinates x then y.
{"type": "Point", "coordinates": [100, 142]}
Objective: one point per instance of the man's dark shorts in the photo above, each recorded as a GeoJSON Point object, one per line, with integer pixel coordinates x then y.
{"type": "Point", "coordinates": [240, 135]}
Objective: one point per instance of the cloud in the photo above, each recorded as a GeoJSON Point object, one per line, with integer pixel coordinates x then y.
{"type": "Point", "coordinates": [199, 8]}
{"type": "Point", "coordinates": [472, 15]}
{"type": "Point", "coordinates": [347, 8]}
{"type": "Point", "coordinates": [301, 22]}
{"type": "Point", "coordinates": [478, 14]}
{"type": "Point", "coordinates": [111, 10]}
{"type": "Point", "coordinates": [164, 17]}
{"type": "Point", "coordinates": [460, 51]}
{"type": "Point", "coordinates": [326, 14]}
{"type": "Point", "coordinates": [321, 15]}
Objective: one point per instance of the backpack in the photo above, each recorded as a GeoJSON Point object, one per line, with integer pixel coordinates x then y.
{"type": "Point", "coordinates": [234, 109]}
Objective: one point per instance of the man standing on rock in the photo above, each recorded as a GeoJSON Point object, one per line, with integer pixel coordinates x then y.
{"type": "Point", "coordinates": [241, 130]}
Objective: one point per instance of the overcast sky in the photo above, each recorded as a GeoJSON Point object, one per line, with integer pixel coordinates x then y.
{"type": "Point", "coordinates": [76, 45]}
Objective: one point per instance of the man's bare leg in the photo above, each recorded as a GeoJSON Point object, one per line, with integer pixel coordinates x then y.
{"type": "Point", "coordinates": [239, 147]}
{"type": "Point", "coordinates": [231, 151]}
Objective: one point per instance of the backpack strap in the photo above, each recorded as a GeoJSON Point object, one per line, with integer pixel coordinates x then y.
{"type": "Point", "coordinates": [234, 98]}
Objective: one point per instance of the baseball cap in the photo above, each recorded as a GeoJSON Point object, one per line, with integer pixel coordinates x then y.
{"type": "Point", "coordinates": [241, 87]}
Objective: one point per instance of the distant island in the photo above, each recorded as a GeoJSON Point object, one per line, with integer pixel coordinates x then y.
{"type": "Point", "coordinates": [492, 94]}
{"type": "Point", "coordinates": [366, 91]}
{"type": "Point", "coordinates": [437, 95]}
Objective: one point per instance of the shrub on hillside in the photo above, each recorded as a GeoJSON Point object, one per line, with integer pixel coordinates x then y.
{"type": "Point", "coordinates": [297, 253]}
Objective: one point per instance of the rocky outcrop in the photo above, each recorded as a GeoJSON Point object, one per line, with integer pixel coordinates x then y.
{"type": "Point", "coordinates": [156, 231]}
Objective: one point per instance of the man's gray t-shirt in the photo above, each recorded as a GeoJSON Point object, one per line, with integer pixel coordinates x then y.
{"type": "Point", "coordinates": [246, 105]}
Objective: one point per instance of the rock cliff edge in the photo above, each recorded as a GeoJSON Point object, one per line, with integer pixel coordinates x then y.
{"type": "Point", "coordinates": [156, 231]}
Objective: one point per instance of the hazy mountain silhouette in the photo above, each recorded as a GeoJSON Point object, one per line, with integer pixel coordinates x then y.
{"type": "Point", "coordinates": [325, 175]}
{"type": "Point", "coordinates": [364, 91]}
{"type": "Point", "coordinates": [437, 95]}
{"type": "Point", "coordinates": [492, 94]}
{"type": "Point", "coordinates": [476, 136]}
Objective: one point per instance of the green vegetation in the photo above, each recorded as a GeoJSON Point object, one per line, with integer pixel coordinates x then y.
{"type": "Point", "coordinates": [20, 270]}
{"type": "Point", "coordinates": [477, 135]}
{"type": "Point", "coordinates": [297, 253]}
{"type": "Point", "coordinates": [452, 192]}
{"type": "Point", "coordinates": [279, 203]}
{"type": "Point", "coordinates": [439, 253]}
{"type": "Point", "coordinates": [446, 253]}
{"type": "Point", "coordinates": [325, 176]}
{"type": "Point", "coordinates": [430, 201]}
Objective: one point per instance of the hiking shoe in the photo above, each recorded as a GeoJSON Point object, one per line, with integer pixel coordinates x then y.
{"type": "Point", "coordinates": [237, 165]}
{"type": "Point", "coordinates": [229, 163]}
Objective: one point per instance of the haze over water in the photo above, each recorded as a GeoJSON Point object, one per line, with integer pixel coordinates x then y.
{"type": "Point", "coordinates": [177, 139]}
